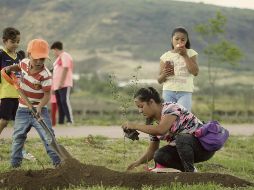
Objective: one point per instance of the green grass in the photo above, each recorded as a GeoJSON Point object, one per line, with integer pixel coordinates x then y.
{"type": "Point", "coordinates": [236, 158]}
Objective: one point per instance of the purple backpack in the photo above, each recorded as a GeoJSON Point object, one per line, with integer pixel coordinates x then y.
{"type": "Point", "coordinates": [212, 136]}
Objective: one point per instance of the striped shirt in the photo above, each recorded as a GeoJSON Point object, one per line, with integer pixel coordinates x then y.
{"type": "Point", "coordinates": [34, 85]}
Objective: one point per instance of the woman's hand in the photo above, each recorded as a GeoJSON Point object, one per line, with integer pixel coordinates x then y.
{"type": "Point", "coordinates": [128, 126]}
{"type": "Point", "coordinates": [132, 166]}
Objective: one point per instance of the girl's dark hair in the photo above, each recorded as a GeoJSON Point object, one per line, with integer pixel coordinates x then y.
{"type": "Point", "coordinates": [146, 94]}
{"type": "Point", "coordinates": [57, 45]}
{"type": "Point", "coordinates": [10, 33]}
{"type": "Point", "coordinates": [184, 31]}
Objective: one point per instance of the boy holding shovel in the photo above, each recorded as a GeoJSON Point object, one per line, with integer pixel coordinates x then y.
{"type": "Point", "coordinates": [36, 85]}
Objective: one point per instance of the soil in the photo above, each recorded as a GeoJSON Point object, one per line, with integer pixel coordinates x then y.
{"type": "Point", "coordinates": [73, 173]}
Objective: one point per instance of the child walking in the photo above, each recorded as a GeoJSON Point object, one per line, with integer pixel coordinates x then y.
{"type": "Point", "coordinates": [36, 85]}
{"type": "Point", "coordinates": [177, 70]}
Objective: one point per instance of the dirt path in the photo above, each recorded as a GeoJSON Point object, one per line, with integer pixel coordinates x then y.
{"type": "Point", "coordinates": [116, 131]}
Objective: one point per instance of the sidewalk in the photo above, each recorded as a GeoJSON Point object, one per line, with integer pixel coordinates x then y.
{"type": "Point", "coordinates": [115, 131]}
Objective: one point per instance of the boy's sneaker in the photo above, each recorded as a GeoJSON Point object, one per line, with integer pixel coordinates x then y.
{"type": "Point", "coordinates": [28, 156]}
{"type": "Point", "coordinates": [195, 169]}
{"type": "Point", "coordinates": [57, 165]}
{"type": "Point", "coordinates": [16, 166]}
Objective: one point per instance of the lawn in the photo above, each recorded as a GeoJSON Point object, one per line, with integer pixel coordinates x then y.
{"type": "Point", "coordinates": [236, 158]}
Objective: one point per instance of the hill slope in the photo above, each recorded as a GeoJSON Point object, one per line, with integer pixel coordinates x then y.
{"type": "Point", "coordinates": [140, 28]}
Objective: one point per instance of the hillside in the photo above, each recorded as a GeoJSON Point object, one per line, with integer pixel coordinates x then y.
{"type": "Point", "coordinates": [120, 34]}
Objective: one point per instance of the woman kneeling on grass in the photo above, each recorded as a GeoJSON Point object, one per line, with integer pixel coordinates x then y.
{"type": "Point", "coordinates": [174, 124]}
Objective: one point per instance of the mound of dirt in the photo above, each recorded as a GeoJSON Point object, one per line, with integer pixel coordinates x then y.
{"type": "Point", "coordinates": [75, 173]}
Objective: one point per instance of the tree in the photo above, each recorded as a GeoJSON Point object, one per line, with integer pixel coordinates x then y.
{"type": "Point", "coordinates": [218, 51]}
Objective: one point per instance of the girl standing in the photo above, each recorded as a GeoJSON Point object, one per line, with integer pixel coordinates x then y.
{"type": "Point", "coordinates": [177, 69]}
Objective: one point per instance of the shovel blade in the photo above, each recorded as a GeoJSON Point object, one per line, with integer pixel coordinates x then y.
{"type": "Point", "coordinates": [60, 150]}
{"type": "Point", "coordinates": [65, 154]}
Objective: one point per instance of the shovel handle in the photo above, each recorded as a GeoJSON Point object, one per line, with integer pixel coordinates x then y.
{"type": "Point", "coordinates": [13, 80]}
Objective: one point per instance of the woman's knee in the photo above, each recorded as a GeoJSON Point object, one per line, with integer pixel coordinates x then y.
{"type": "Point", "coordinates": [164, 155]}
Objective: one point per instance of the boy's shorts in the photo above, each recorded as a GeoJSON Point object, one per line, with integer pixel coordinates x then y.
{"type": "Point", "coordinates": [8, 108]}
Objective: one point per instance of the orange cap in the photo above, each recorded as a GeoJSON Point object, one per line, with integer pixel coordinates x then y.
{"type": "Point", "coordinates": [38, 48]}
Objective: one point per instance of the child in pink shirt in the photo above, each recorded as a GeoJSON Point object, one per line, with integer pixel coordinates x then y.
{"type": "Point", "coordinates": [62, 82]}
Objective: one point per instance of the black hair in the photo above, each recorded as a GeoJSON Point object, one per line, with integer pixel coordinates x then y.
{"type": "Point", "coordinates": [57, 45]}
{"type": "Point", "coordinates": [10, 33]}
{"type": "Point", "coordinates": [184, 31]}
{"type": "Point", "coordinates": [146, 94]}
{"type": "Point", "coordinates": [21, 54]}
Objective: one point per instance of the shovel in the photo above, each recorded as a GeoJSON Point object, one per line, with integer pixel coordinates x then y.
{"type": "Point", "coordinates": [51, 140]}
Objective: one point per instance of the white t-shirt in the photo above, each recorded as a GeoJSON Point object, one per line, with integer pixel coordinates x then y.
{"type": "Point", "coordinates": [182, 80]}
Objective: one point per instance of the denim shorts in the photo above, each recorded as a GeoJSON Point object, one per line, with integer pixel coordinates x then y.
{"type": "Point", "coordinates": [180, 97]}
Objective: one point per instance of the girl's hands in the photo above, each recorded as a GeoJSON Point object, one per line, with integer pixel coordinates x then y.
{"type": "Point", "coordinates": [181, 49]}
{"type": "Point", "coordinates": [168, 69]}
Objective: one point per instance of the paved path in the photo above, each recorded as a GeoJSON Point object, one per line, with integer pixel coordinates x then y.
{"type": "Point", "coordinates": [115, 131]}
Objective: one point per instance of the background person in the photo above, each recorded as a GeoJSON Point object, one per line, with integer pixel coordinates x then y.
{"type": "Point", "coordinates": [177, 70]}
{"type": "Point", "coordinates": [184, 149]}
{"type": "Point", "coordinates": [8, 94]}
{"type": "Point", "coordinates": [62, 82]}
